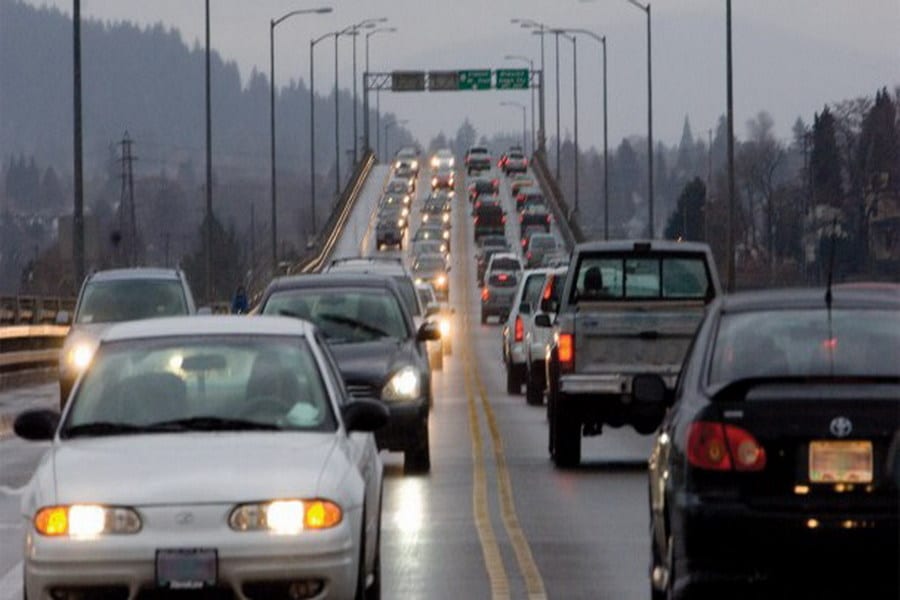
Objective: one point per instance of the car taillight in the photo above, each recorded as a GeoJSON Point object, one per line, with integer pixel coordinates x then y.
{"type": "Point", "coordinates": [528, 256]}
{"type": "Point", "coordinates": [502, 276]}
{"type": "Point", "coordinates": [525, 162]}
{"type": "Point", "coordinates": [476, 220]}
{"type": "Point", "coordinates": [524, 242]}
{"type": "Point", "coordinates": [495, 183]}
{"type": "Point", "coordinates": [548, 218]}
{"type": "Point", "coordinates": [485, 294]}
{"type": "Point", "coordinates": [521, 218]}
{"type": "Point", "coordinates": [566, 352]}
{"type": "Point", "coordinates": [520, 329]}
{"type": "Point", "coordinates": [548, 288]}
{"type": "Point", "coordinates": [717, 447]}
{"type": "Point", "coordinates": [503, 219]}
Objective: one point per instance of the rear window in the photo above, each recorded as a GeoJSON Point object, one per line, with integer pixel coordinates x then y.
{"type": "Point", "coordinates": [533, 286]}
{"type": "Point", "coordinates": [505, 264]}
{"type": "Point", "coordinates": [478, 151]}
{"type": "Point", "coordinates": [542, 242]}
{"type": "Point", "coordinates": [801, 343]}
{"type": "Point", "coordinates": [626, 277]}
{"type": "Point", "coordinates": [504, 280]}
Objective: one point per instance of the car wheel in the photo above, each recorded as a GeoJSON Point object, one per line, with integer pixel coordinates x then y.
{"type": "Point", "coordinates": [418, 458]}
{"type": "Point", "coordinates": [534, 388]}
{"type": "Point", "coordinates": [513, 380]}
{"type": "Point", "coordinates": [567, 437]}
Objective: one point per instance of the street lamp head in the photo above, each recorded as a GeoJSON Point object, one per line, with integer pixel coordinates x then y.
{"type": "Point", "coordinates": [323, 10]}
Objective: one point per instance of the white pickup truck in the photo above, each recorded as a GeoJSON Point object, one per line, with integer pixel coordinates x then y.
{"type": "Point", "coordinates": [627, 308]}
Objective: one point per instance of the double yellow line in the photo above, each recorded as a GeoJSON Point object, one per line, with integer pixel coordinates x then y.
{"type": "Point", "coordinates": [534, 584]}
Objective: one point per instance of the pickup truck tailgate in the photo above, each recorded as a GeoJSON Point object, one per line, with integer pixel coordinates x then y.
{"type": "Point", "coordinates": [619, 337]}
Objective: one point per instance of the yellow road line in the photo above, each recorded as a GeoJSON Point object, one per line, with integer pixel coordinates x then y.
{"type": "Point", "coordinates": [534, 583]}
{"type": "Point", "coordinates": [493, 560]}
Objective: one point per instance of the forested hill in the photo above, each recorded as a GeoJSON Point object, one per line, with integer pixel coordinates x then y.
{"type": "Point", "coordinates": [147, 81]}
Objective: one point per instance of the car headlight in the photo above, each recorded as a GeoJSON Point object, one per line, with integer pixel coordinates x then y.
{"type": "Point", "coordinates": [444, 249]}
{"type": "Point", "coordinates": [415, 165]}
{"type": "Point", "coordinates": [397, 164]}
{"type": "Point", "coordinates": [446, 235]}
{"type": "Point", "coordinates": [400, 223]}
{"type": "Point", "coordinates": [452, 162]}
{"type": "Point", "coordinates": [444, 325]}
{"type": "Point", "coordinates": [440, 281]}
{"type": "Point", "coordinates": [86, 520]}
{"type": "Point", "coordinates": [286, 517]}
{"type": "Point", "coordinates": [425, 218]}
{"type": "Point", "coordinates": [80, 356]}
{"type": "Point", "coordinates": [404, 385]}
{"type": "Point", "coordinates": [434, 162]}
{"type": "Point", "coordinates": [405, 212]}
{"type": "Point", "coordinates": [446, 217]}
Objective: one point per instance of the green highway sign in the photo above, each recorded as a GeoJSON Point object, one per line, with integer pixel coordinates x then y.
{"type": "Point", "coordinates": [475, 79]}
{"type": "Point", "coordinates": [512, 79]}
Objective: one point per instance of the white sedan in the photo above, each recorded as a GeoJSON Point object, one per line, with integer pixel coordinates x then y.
{"type": "Point", "coordinates": [206, 452]}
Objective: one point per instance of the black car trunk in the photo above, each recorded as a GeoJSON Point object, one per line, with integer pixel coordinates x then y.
{"type": "Point", "coordinates": [826, 445]}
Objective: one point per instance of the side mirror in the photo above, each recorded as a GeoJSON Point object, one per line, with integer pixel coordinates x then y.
{"type": "Point", "coordinates": [36, 425]}
{"type": "Point", "coordinates": [63, 317]}
{"type": "Point", "coordinates": [365, 415]}
{"type": "Point", "coordinates": [428, 332]}
{"type": "Point", "coordinates": [205, 310]}
{"type": "Point", "coordinates": [525, 308]}
{"type": "Point", "coordinates": [542, 320]}
{"type": "Point", "coordinates": [650, 391]}
{"type": "Point", "coordinates": [432, 310]}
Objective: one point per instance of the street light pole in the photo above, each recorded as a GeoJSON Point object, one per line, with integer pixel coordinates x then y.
{"type": "Point", "coordinates": [646, 9]}
{"type": "Point", "coordinates": [524, 125]}
{"type": "Point", "coordinates": [575, 109]}
{"type": "Point", "coordinates": [273, 23]}
{"type": "Point", "coordinates": [78, 212]}
{"type": "Point", "coordinates": [312, 129]}
{"type": "Point", "coordinates": [530, 70]}
{"type": "Point", "coordinates": [377, 92]}
{"type": "Point", "coordinates": [209, 213]}
{"type": "Point", "coordinates": [557, 107]}
{"type": "Point", "coordinates": [528, 24]}
{"type": "Point", "coordinates": [731, 195]}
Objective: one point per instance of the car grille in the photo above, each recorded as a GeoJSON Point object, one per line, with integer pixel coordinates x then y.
{"type": "Point", "coordinates": [363, 390]}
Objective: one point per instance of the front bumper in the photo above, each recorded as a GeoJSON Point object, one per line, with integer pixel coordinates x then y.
{"type": "Point", "coordinates": [123, 566]}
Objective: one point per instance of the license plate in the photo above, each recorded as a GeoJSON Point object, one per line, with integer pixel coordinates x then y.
{"type": "Point", "coordinates": [186, 569]}
{"type": "Point", "coordinates": [840, 462]}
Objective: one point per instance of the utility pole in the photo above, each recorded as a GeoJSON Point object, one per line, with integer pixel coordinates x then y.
{"type": "Point", "coordinates": [558, 135]}
{"type": "Point", "coordinates": [78, 213]}
{"type": "Point", "coordinates": [127, 199]}
{"type": "Point", "coordinates": [575, 100]}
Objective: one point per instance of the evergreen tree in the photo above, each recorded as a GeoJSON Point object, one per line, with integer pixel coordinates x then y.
{"type": "Point", "coordinates": [687, 222]}
{"type": "Point", "coordinates": [825, 162]}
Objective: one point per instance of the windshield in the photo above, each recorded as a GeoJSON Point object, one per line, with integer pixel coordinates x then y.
{"type": "Point", "coordinates": [605, 277]}
{"type": "Point", "coordinates": [131, 299]}
{"type": "Point", "coordinates": [429, 263]}
{"type": "Point", "coordinates": [201, 383]}
{"type": "Point", "coordinates": [804, 343]}
{"type": "Point", "coordinates": [343, 315]}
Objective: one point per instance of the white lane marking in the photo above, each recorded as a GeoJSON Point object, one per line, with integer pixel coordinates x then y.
{"type": "Point", "coordinates": [11, 583]}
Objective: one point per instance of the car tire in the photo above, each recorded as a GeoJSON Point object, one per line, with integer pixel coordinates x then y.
{"type": "Point", "coordinates": [534, 388]}
{"type": "Point", "coordinates": [418, 458]}
{"type": "Point", "coordinates": [513, 380]}
{"type": "Point", "coordinates": [567, 437]}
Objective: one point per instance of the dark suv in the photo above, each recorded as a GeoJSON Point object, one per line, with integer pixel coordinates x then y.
{"type": "Point", "coordinates": [490, 219]}
{"type": "Point", "coordinates": [379, 351]}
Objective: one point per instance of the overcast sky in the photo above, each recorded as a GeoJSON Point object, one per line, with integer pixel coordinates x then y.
{"type": "Point", "coordinates": [791, 56]}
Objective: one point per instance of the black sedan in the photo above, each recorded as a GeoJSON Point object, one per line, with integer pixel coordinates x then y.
{"type": "Point", "coordinates": [379, 353]}
{"type": "Point", "coordinates": [770, 472]}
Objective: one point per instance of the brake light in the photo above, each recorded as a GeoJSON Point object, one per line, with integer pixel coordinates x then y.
{"type": "Point", "coordinates": [503, 219]}
{"type": "Point", "coordinates": [524, 242]}
{"type": "Point", "coordinates": [485, 294]}
{"type": "Point", "coordinates": [548, 219]}
{"type": "Point", "coordinates": [519, 329]}
{"type": "Point", "coordinates": [525, 161]}
{"type": "Point", "coordinates": [502, 276]}
{"type": "Point", "coordinates": [495, 183]}
{"type": "Point", "coordinates": [528, 256]}
{"type": "Point", "coordinates": [521, 218]}
{"type": "Point", "coordinates": [476, 220]}
{"type": "Point", "coordinates": [566, 352]}
{"type": "Point", "coordinates": [718, 447]}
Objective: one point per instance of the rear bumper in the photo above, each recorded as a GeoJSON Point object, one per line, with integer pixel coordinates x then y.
{"type": "Point", "coordinates": [734, 543]}
{"type": "Point", "coordinates": [605, 384]}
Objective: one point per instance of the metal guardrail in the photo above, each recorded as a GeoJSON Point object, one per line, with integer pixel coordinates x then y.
{"type": "Point", "coordinates": [570, 230]}
{"type": "Point", "coordinates": [30, 346]}
{"type": "Point", "coordinates": [338, 218]}
{"type": "Point", "coordinates": [33, 310]}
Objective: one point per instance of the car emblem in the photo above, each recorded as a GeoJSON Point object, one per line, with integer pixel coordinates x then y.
{"type": "Point", "coordinates": [841, 427]}
{"type": "Point", "coordinates": [184, 518]}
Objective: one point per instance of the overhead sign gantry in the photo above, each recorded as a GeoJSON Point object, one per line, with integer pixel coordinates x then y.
{"type": "Point", "coordinates": [454, 81]}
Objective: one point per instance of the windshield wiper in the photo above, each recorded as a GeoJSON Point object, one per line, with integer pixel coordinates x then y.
{"type": "Point", "coordinates": [212, 424]}
{"type": "Point", "coordinates": [100, 428]}
{"type": "Point", "coordinates": [341, 320]}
